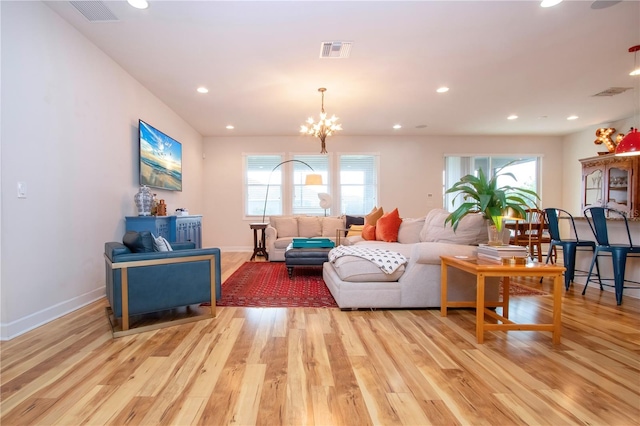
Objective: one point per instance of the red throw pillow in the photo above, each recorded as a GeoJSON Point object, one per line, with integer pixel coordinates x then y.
{"type": "Point", "coordinates": [387, 227]}
{"type": "Point", "coordinates": [368, 232]}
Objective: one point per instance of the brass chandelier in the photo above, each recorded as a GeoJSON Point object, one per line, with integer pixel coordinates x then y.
{"type": "Point", "coordinates": [323, 128]}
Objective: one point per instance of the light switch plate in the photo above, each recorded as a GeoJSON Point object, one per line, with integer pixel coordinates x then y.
{"type": "Point", "coordinates": [22, 190]}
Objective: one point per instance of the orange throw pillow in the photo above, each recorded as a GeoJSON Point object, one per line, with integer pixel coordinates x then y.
{"type": "Point", "coordinates": [387, 227]}
{"type": "Point", "coordinates": [369, 232]}
{"type": "Point", "coordinates": [373, 216]}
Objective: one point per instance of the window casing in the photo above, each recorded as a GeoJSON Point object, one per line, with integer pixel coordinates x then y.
{"type": "Point", "coordinates": [350, 179]}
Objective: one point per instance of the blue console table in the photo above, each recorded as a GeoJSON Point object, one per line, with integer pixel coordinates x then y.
{"type": "Point", "coordinates": [173, 228]}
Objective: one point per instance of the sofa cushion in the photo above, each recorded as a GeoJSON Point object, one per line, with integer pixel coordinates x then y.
{"type": "Point", "coordinates": [353, 220]}
{"type": "Point", "coordinates": [355, 230]}
{"type": "Point", "coordinates": [161, 244]}
{"type": "Point", "coordinates": [387, 226]}
{"type": "Point", "coordinates": [330, 225]}
{"type": "Point", "coordinates": [369, 232]}
{"type": "Point", "coordinates": [308, 227]}
{"type": "Point", "coordinates": [138, 242]}
{"type": "Point", "coordinates": [409, 232]}
{"type": "Point", "coordinates": [373, 216]}
{"type": "Point", "coordinates": [356, 269]}
{"type": "Point", "coordinates": [287, 226]}
{"type": "Point", "coordinates": [472, 229]}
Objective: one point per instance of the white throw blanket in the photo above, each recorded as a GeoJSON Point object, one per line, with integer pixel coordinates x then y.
{"type": "Point", "coordinates": [387, 261]}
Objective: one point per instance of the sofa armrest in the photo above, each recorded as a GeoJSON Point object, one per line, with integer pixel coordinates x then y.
{"type": "Point", "coordinates": [429, 253]}
{"type": "Point", "coordinates": [271, 233]}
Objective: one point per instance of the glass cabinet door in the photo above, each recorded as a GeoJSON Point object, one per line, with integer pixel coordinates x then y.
{"type": "Point", "coordinates": [593, 188]}
{"type": "Point", "coordinates": [618, 188]}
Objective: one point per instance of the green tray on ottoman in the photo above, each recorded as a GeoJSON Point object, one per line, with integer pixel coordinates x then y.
{"type": "Point", "coordinates": [312, 243]}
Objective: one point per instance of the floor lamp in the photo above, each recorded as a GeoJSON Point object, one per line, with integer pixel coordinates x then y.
{"type": "Point", "coordinates": [310, 179]}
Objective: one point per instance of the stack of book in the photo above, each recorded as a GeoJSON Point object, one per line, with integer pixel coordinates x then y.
{"type": "Point", "coordinates": [499, 253]}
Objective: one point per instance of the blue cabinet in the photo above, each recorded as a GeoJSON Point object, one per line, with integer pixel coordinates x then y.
{"type": "Point", "coordinates": [173, 228]}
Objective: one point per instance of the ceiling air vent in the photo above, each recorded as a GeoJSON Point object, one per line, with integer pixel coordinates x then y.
{"type": "Point", "coordinates": [335, 49]}
{"type": "Point", "coordinates": [94, 11]}
{"type": "Point", "coordinates": [612, 91]}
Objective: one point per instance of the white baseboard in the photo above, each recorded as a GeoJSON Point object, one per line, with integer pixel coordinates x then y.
{"type": "Point", "coordinates": [237, 248]}
{"type": "Point", "coordinates": [15, 328]}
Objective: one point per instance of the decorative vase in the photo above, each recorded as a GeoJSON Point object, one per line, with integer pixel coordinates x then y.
{"type": "Point", "coordinates": [144, 201]}
{"type": "Point", "coordinates": [162, 208]}
{"type": "Point", "coordinates": [496, 238]}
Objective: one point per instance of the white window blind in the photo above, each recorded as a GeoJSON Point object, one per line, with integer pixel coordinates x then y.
{"type": "Point", "coordinates": [305, 197]}
{"type": "Point", "coordinates": [258, 176]}
{"type": "Point", "coordinates": [358, 183]}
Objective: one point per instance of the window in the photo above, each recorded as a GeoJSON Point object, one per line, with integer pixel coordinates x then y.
{"type": "Point", "coordinates": [258, 172]}
{"type": "Point", "coordinates": [358, 183]}
{"type": "Point", "coordinates": [525, 170]}
{"type": "Point", "coordinates": [305, 198]}
{"type": "Point", "coordinates": [351, 180]}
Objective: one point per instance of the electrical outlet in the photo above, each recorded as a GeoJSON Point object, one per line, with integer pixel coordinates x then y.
{"type": "Point", "coordinates": [22, 190]}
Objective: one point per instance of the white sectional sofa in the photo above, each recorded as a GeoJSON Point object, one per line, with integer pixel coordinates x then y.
{"type": "Point", "coordinates": [357, 283]}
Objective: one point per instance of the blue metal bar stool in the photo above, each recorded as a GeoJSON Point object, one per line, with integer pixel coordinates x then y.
{"type": "Point", "coordinates": [569, 246]}
{"type": "Point", "coordinates": [597, 219]}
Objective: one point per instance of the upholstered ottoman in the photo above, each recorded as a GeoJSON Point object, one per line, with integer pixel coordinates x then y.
{"type": "Point", "coordinates": [305, 257]}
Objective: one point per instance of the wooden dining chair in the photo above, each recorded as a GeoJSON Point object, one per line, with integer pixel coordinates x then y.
{"type": "Point", "coordinates": [530, 232]}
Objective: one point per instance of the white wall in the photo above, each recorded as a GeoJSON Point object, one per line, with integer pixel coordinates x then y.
{"type": "Point", "coordinates": [410, 168]}
{"type": "Point", "coordinates": [69, 130]}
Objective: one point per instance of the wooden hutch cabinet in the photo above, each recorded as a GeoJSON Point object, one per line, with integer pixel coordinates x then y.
{"type": "Point", "coordinates": [611, 181]}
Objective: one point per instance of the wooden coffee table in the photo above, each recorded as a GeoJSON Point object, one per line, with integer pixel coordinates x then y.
{"type": "Point", "coordinates": [481, 270]}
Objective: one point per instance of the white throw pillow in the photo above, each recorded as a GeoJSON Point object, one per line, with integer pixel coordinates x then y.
{"type": "Point", "coordinates": [286, 226]}
{"type": "Point", "coordinates": [309, 226]}
{"type": "Point", "coordinates": [409, 232]}
{"type": "Point", "coordinates": [472, 229]}
{"type": "Point", "coordinates": [161, 244]}
{"type": "Point", "coordinates": [330, 224]}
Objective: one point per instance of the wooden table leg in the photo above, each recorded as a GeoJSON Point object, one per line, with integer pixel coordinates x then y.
{"type": "Point", "coordinates": [255, 244]}
{"type": "Point", "coordinates": [443, 289]}
{"type": "Point", "coordinates": [480, 308]}
{"type": "Point", "coordinates": [557, 308]}
{"type": "Point", "coordinates": [506, 283]}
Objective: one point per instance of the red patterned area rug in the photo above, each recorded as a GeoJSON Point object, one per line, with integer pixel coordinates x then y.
{"type": "Point", "coordinates": [267, 284]}
{"type": "Point", "coordinates": [523, 290]}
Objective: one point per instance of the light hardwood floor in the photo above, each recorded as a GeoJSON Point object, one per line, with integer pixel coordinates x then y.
{"type": "Point", "coordinates": [299, 366]}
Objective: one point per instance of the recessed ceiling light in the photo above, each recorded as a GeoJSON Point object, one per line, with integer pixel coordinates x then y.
{"type": "Point", "coordinates": [202, 90]}
{"type": "Point", "coordinates": [549, 3]}
{"type": "Point", "coordinates": [512, 117]}
{"type": "Point", "coordinates": [572, 117]}
{"type": "Point", "coordinates": [397, 126]}
{"type": "Point", "coordinates": [138, 4]}
{"type": "Point", "coordinates": [230, 127]}
{"type": "Point", "coordinates": [442, 89]}
{"type": "Point", "coordinates": [635, 72]}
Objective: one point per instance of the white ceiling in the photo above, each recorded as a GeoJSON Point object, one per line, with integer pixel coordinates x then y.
{"type": "Point", "coordinates": [260, 61]}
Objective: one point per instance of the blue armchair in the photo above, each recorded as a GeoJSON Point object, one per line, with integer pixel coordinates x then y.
{"type": "Point", "coordinates": [140, 283]}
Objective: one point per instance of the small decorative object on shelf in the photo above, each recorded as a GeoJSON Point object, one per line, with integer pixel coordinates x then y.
{"type": "Point", "coordinates": [154, 205]}
{"type": "Point", "coordinates": [144, 201]}
{"type": "Point", "coordinates": [162, 208]}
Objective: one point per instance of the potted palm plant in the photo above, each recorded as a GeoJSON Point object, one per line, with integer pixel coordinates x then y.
{"type": "Point", "coordinates": [482, 195]}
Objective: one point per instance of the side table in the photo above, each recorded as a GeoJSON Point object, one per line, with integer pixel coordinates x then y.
{"type": "Point", "coordinates": [259, 246]}
{"type": "Point", "coordinates": [482, 270]}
